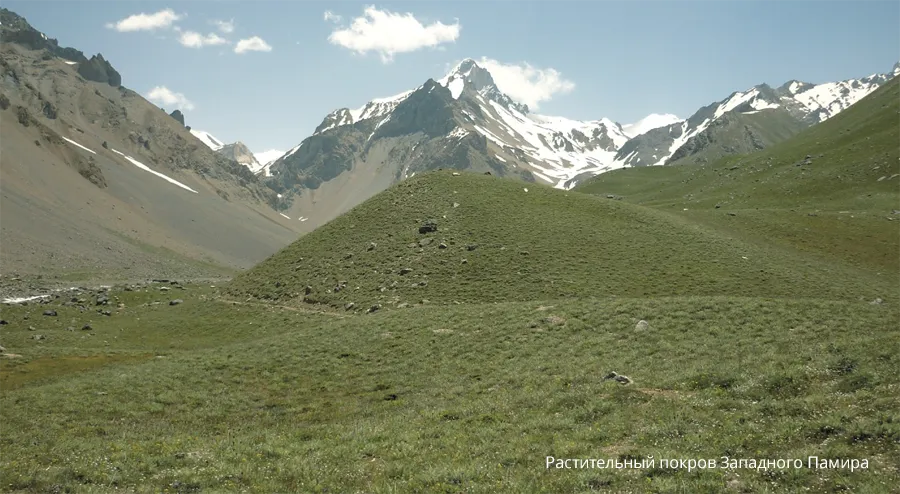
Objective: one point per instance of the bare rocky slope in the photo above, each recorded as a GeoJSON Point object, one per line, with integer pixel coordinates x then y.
{"type": "Point", "coordinates": [95, 179]}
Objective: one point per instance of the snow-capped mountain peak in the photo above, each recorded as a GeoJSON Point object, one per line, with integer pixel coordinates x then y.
{"type": "Point", "coordinates": [208, 139]}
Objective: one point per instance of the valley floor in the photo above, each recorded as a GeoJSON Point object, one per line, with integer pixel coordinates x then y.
{"type": "Point", "coordinates": [216, 394]}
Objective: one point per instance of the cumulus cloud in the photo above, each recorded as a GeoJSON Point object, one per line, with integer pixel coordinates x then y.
{"type": "Point", "coordinates": [146, 22]}
{"type": "Point", "coordinates": [388, 33]}
{"type": "Point", "coordinates": [525, 83]}
{"type": "Point", "coordinates": [193, 39]}
{"type": "Point", "coordinates": [254, 43]}
{"type": "Point", "coordinates": [164, 96]}
{"type": "Point", "coordinates": [226, 27]}
{"type": "Point", "coordinates": [331, 16]}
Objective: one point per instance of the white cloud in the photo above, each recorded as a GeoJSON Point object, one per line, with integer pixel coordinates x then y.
{"type": "Point", "coordinates": [166, 97]}
{"type": "Point", "coordinates": [254, 43]}
{"type": "Point", "coordinates": [527, 84]}
{"type": "Point", "coordinates": [193, 39]}
{"type": "Point", "coordinates": [226, 27]}
{"type": "Point", "coordinates": [332, 17]}
{"type": "Point", "coordinates": [146, 22]}
{"type": "Point", "coordinates": [388, 33]}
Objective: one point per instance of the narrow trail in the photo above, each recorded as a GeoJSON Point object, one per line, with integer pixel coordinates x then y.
{"type": "Point", "coordinates": [284, 307]}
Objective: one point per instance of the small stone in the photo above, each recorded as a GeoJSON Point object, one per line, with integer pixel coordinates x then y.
{"type": "Point", "coordinates": [87, 327]}
{"type": "Point", "coordinates": [732, 214]}
{"type": "Point", "coordinates": [425, 241]}
{"type": "Point", "coordinates": [619, 378]}
{"type": "Point", "coordinates": [642, 325]}
{"type": "Point", "coordinates": [176, 301]}
{"type": "Point", "coordinates": [31, 328]}
{"type": "Point", "coordinates": [70, 328]}
{"type": "Point", "coordinates": [106, 313]}
{"type": "Point", "coordinates": [3, 322]}
{"type": "Point", "coordinates": [38, 337]}
{"type": "Point", "coordinates": [405, 271]}
{"type": "Point", "coordinates": [465, 261]}
{"type": "Point", "coordinates": [455, 204]}
{"type": "Point", "coordinates": [442, 245]}
{"type": "Point", "coordinates": [349, 306]}
{"type": "Point", "coordinates": [455, 174]}
{"type": "Point", "coordinates": [471, 247]}
{"type": "Point", "coordinates": [428, 226]}
{"type": "Point", "coordinates": [371, 246]}
{"type": "Point", "coordinates": [50, 313]}
{"type": "Point", "coordinates": [164, 289]}
{"type": "Point", "coordinates": [877, 301]}
{"type": "Point", "coordinates": [374, 308]}
{"type": "Point", "coordinates": [308, 290]}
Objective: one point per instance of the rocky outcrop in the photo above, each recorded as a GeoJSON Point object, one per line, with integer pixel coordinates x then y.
{"type": "Point", "coordinates": [97, 69]}
{"type": "Point", "coordinates": [177, 115]}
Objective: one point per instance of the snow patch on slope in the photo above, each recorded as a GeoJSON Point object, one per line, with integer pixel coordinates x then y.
{"type": "Point", "coordinates": [648, 123]}
{"type": "Point", "coordinates": [147, 168]}
{"type": "Point", "coordinates": [70, 141]}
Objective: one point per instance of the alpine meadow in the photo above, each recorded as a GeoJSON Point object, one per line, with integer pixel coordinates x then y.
{"type": "Point", "coordinates": [447, 290]}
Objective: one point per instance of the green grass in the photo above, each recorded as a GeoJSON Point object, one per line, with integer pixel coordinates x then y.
{"type": "Point", "coordinates": [468, 398]}
{"type": "Point", "coordinates": [532, 245]}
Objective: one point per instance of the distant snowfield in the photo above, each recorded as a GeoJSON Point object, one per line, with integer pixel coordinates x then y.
{"type": "Point", "coordinates": [69, 62]}
{"type": "Point", "coordinates": [147, 168]}
{"type": "Point", "coordinates": [70, 141]}
{"type": "Point", "coordinates": [648, 123]}
{"type": "Point", "coordinates": [266, 157]}
{"type": "Point", "coordinates": [208, 139]}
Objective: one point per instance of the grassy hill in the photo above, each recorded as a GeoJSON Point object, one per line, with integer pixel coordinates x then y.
{"type": "Point", "coordinates": [504, 244]}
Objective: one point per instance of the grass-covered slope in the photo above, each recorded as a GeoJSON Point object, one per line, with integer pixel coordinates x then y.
{"type": "Point", "coordinates": [496, 242]}
{"type": "Point", "coordinates": [830, 193]}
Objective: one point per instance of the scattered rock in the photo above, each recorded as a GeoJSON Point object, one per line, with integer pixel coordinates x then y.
{"type": "Point", "coordinates": [553, 320]}
{"type": "Point", "coordinates": [471, 247]}
{"type": "Point", "coordinates": [164, 289]}
{"type": "Point", "coordinates": [642, 325]}
{"type": "Point", "coordinates": [87, 327]}
{"type": "Point", "coordinates": [442, 245]}
{"type": "Point", "coordinates": [3, 322]}
{"type": "Point", "coordinates": [402, 305]}
{"type": "Point", "coordinates": [877, 301]}
{"type": "Point", "coordinates": [308, 290]}
{"type": "Point", "coordinates": [50, 313]}
{"type": "Point", "coordinates": [465, 261]}
{"type": "Point", "coordinates": [176, 301]}
{"type": "Point", "coordinates": [732, 214]}
{"type": "Point", "coordinates": [374, 308]}
{"type": "Point", "coordinates": [371, 246]}
{"type": "Point", "coordinates": [31, 328]}
{"type": "Point", "coordinates": [425, 241]}
{"type": "Point", "coordinates": [428, 226]}
{"type": "Point", "coordinates": [455, 204]}
{"type": "Point", "coordinates": [405, 271]}
{"type": "Point", "coordinates": [2, 349]}
{"type": "Point", "coordinates": [619, 378]}
{"type": "Point", "coordinates": [349, 306]}
{"type": "Point", "coordinates": [106, 313]}
{"type": "Point", "coordinates": [70, 328]}
{"type": "Point", "coordinates": [718, 206]}
{"type": "Point", "coordinates": [102, 300]}
{"type": "Point", "coordinates": [455, 174]}
{"type": "Point", "coordinates": [38, 337]}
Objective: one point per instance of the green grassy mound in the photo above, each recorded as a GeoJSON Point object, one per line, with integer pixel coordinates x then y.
{"type": "Point", "coordinates": [501, 243]}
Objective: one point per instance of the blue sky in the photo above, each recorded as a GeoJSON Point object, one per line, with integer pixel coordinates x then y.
{"type": "Point", "coordinates": [584, 60]}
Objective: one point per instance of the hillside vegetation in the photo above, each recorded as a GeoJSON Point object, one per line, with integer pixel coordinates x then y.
{"type": "Point", "coordinates": [502, 243]}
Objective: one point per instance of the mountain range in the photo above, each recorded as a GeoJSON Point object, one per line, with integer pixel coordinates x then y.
{"type": "Point", "coordinates": [464, 121]}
